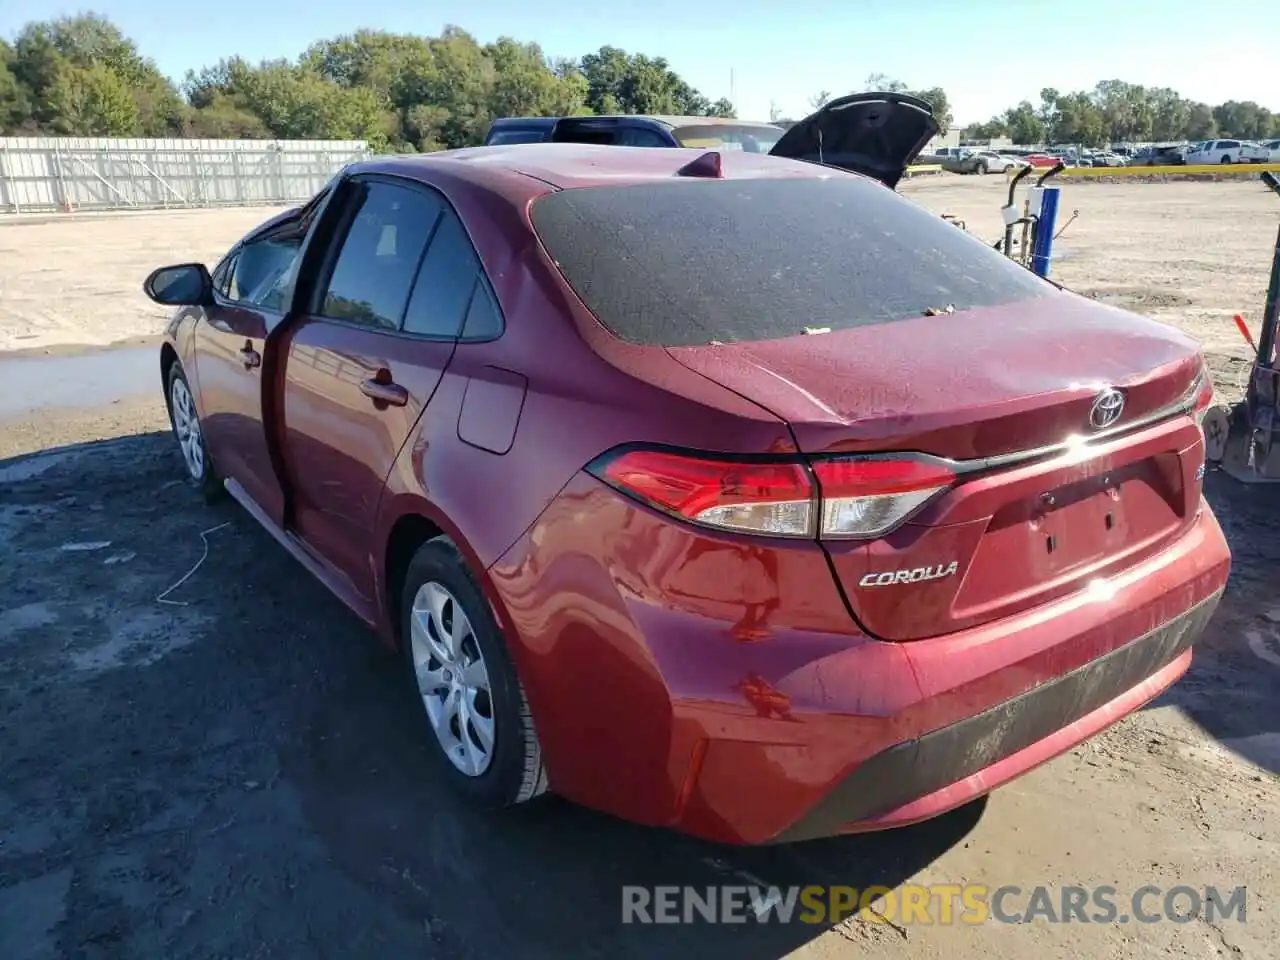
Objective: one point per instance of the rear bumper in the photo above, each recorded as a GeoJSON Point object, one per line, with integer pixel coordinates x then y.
{"type": "Point", "coordinates": [677, 680]}
{"type": "Point", "coordinates": [921, 778]}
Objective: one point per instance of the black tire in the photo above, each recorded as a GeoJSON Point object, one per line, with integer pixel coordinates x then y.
{"type": "Point", "coordinates": [515, 772]}
{"type": "Point", "coordinates": [206, 480]}
{"type": "Point", "coordinates": [1225, 159]}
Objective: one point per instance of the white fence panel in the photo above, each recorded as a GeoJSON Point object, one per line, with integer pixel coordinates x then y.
{"type": "Point", "coordinates": [45, 174]}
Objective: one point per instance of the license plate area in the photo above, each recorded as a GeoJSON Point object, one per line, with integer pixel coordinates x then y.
{"type": "Point", "coordinates": [1092, 526]}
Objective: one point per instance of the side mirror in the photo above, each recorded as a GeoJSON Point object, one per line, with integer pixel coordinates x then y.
{"type": "Point", "coordinates": [181, 285]}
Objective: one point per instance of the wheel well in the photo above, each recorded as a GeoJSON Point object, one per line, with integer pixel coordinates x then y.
{"type": "Point", "coordinates": [409, 533]}
{"type": "Point", "coordinates": [168, 357]}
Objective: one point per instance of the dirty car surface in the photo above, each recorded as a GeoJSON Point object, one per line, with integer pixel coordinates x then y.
{"type": "Point", "coordinates": [725, 492]}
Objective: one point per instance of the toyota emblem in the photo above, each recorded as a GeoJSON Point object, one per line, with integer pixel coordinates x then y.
{"type": "Point", "coordinates": [1107, 408]}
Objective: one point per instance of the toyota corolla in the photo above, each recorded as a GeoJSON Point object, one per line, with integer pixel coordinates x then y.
{"type": "Point", "coordinates": [731, 493]}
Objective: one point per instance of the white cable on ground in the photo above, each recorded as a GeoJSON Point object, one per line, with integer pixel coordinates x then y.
{"type": "Point", "coordinates": [204, 538]}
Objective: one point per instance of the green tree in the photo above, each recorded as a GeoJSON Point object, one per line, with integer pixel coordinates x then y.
{"type": "Point", "coordinates": [47, 55]}
{"type": "Point", "coordinates": [1024, 124]}
{"type": "Point", "coordinates": [620, 82]}
{"type": "Point", "coordinates": [81, 75]}
{"type": "Point", "coordinates": [1201, 123]}
{"type": "Point", "coordinates": [91, 102]}
{"type": "Point", "coordinates": [993, 128]}
{"type": "Point", "coordinates": [15, 98]}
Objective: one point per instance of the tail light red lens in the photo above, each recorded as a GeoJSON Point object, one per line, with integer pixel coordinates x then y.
{"type": "Point", "coordinates": [768, 498]}
{"type": "Point", "coordinates": [849, 498]}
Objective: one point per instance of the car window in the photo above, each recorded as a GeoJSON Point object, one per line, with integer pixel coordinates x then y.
{"type": "Point", "coordinates": [263, 273]}
{"type": "Point", "coordinates": [445, 282]}
{"type": "Point", "coordinates": [222, 274]}
{"type": "Point", "coordinates": [692, 263]}
{"type": "Point", "coordinates": [728, 136]}
{"type": "Point", "coordinates": [639, 137]}
{"type": "Point", "coordinates": [379, 257]}
{"type": "Point", "coordinates": [585, 130]}
{"type": "Point", "coordinates": [501, 137]}
{"type": "Point", "coordinates": [484, 320]}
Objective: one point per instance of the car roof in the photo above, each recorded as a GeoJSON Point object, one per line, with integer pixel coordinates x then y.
{"type": "Point", "coordinates": [515, 171]}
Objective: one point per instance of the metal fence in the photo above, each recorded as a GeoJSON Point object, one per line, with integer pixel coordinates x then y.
{"type": "Point", "coordinates": [45, 174]}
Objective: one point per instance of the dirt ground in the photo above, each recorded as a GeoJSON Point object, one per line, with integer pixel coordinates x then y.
{"type": "Point", "coordinates": [226, 765]}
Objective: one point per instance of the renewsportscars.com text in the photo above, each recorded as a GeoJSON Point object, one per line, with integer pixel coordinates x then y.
{"type": "Point", "coordinates": [936, 904]}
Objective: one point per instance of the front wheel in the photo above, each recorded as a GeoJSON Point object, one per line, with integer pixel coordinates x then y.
{"type": "Point", "coordinates": [472, 699]}
{"type": "Point", "coordinates": [185, 422]}
{"type": "Point", "coordinates": [1225, 159]}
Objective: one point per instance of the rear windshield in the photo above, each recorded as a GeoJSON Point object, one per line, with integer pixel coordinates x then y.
{"type": "Point", "coordinates": [515, 135]}
{"type": "Point", "coordinates": [694, 262]}
{"type": "Point", "coordinates": [727, 136]}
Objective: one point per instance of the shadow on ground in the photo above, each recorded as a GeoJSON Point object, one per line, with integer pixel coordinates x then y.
{"type": "Point", "coordinates": [1233, 687]}
{"type": "Point", "coordinates": [228, 765]}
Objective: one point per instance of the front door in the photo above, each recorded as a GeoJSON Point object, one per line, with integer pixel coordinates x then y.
{"type": "Point", "coordinates": [251, 294]}
{"type": "Point", "coordinates": [364, 360]}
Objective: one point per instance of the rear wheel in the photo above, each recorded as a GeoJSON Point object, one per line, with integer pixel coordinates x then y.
{"type": "Point", "coordinates": [462, 674]}
{"type": "Point", "coordinates": [1225, 159]}
{"type": "Point", "coordinates": [185, 421]}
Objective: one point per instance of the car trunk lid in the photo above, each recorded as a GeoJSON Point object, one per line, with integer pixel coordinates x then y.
{"type": "Point", "coordinates": [876, 134]}
{"type": "Point", "coordinates": [1044, 501]}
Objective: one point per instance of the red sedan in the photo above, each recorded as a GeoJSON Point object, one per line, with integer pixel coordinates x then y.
{"type": "Point", "coordinates": [726, 492]}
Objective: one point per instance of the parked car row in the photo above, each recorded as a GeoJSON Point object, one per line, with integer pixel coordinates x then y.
{"type": "Point", "coordinates": [975, 159]}
{"type": "Point", "coordinates": [1206, 152]}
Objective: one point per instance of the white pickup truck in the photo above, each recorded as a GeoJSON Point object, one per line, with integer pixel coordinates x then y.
{"type": "Point", "coordinates": [1227, 151]}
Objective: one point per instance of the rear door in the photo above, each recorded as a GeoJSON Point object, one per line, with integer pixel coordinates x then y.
{"type": "Point", "coordinates": [366, 357]}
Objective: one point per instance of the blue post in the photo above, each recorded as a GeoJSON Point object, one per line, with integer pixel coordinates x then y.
{"type": "Point", "coordinates": [1042, 252]}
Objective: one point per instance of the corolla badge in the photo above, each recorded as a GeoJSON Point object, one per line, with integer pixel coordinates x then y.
{"type": "Point", "coordinates": [890, 577]}
{"type": "Point", "coordinates": [1107, 408]}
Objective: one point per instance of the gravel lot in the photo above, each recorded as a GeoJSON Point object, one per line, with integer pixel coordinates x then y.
{"type": "Point", "coordinates": [230, 767]}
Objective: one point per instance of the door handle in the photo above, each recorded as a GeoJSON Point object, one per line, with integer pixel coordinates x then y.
{"type": "Point", "coordinates": [249, 356]}
{"type": "Point", "coordinates": [384, 391]}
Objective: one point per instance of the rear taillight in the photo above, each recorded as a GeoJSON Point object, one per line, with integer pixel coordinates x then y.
{"type": "Point", "coordinates": [1201, 397]}
{"type": "Point", "coordinates": [868, 497]}
{"type": "Point", "coordinates": [845, 498]}
{"type": "Point", "coordinates": [769, 498]}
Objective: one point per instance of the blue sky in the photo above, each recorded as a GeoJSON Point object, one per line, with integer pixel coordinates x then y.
{"type": "Point", "coordinates": [982, 52]}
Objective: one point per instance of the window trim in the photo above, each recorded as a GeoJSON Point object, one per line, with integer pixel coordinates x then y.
{"type": "Point", "coordinates": [317, 209]}
{"type": "Point", "coordinates": [324, 272]}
